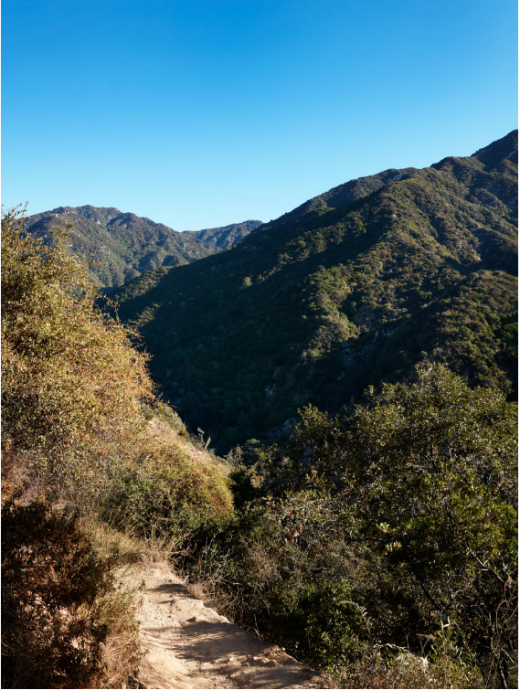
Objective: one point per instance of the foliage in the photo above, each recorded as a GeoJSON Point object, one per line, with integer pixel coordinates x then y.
{"type": "Point", "coordinates": [409, 505]}
{"type": "Point", "coordinates": [72, 382]}
{"type": "Point", "coordinates": [429, 473]}
{"type": "Point", "coordinates": [319, 623]}
{"type": "Point", "coordinates": [168, 492]}
{"type": "Point", "coordinates": [80, 425]}
{"type": "Point", "coordinates": [246, 485]}
{"type": "Point", "coordinates": [77, 393]}
{"type": "Point", "coordinates": [352, 289]}
{"type": "Point", "coordinates": [52, 584]}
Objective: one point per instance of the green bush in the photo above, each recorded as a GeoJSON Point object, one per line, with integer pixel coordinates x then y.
{"type": "Point", "coordinates": [320, 623]}
{"type": "Point", "coordinates": [426, 476]}
{"type": "Point", "coordinates": [409, 503]}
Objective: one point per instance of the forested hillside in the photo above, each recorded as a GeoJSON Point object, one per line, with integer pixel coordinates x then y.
{"type": "Point", "coordinates": [351, 289]}
{"type": "Point", "coordinates": [120, 246]}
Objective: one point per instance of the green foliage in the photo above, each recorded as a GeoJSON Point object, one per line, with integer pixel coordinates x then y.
{"type": "Point", "coordinates": [429, 475]}
{"type": "Point", "coordinates": [354, 288]}
{"type": "Point", "coordinates": [52, 583]}
{"type": "Point", "coordinates": [318, 623]}
{"type": "Point", "coordinates": [409, 504]}
{"type": "Point", "coordinates": [245, 484]}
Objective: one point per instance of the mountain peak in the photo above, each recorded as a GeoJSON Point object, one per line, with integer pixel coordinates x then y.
{"type": "Point", "coordinates": [499, 151]}
{"type": "Point", "coordinates": [356, 286]}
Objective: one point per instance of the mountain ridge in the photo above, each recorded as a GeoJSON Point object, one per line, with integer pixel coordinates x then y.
{"type": "Point", "coordinates": [319, 307]}
{"type": "Point", "coordinates": [121, 245]}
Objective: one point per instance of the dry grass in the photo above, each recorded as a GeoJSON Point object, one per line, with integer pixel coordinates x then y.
{"type": "Point", "coordinates": [163, 431]}
{"type": "Point", "coordinates": [122, 651]}
{"type": "Point", "coordinates": [402, 669]}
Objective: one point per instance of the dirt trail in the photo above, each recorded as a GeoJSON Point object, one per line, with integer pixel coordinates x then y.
{"type": "Point", "coordinates": [186, 644]}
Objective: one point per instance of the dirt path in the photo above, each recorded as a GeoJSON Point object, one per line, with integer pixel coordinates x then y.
{"type": "Point", "coordinates": [189, 645]}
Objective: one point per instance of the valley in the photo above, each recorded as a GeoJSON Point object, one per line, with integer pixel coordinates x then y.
{"type": "Point", "coordinates": [351, 289]}
{"type": "Point", "coordinates": [309, 432]}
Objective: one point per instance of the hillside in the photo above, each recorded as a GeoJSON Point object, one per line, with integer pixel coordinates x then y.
{"type": "Point", "coordinates": [349, 290]}
{"type": "Point", "coordinates": [102, 484]}
{"type": "Point", "coordinates": [122, 245]}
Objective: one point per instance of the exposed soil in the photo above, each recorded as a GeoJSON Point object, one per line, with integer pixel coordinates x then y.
{"type": "Point", "coordinates": [186, 644]}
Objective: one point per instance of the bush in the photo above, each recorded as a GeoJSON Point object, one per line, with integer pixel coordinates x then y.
{"type": "Point", "coordinates": [426, 475]}
{"type": "Point", "coordinates": [81, 425]}
{"type": "Point", "coordinates": [52, 585]}
{"type": "Point", "coordinates": [409, 504]}
{"type": "Point", "coordinates": [169, 493]}
{"type": "Point", "coordinates": [245, 485]}
{"type": "Point", "coordinates": [320, 623]}
{"type": "Point", "coordinates": [72, 382]}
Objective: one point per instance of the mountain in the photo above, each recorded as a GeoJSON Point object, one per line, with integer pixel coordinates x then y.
{"type": "Point", "coordinates": [122, 245]}
{"type": "Point", "coordinates": [343, 194]}
{"type": "Point", "coordinates": [351, 289]}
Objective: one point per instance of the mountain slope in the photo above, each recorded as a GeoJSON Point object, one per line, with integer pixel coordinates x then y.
{"type": "Point", "coordinates": [123, 245]}
{"type": "Point", "coordinates": [343, 195]}
{"type": "Point", "coordinates": [336, 298]}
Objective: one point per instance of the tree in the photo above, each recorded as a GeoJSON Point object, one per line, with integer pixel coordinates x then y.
{"type": "Point", "coordinates": [426, 475]}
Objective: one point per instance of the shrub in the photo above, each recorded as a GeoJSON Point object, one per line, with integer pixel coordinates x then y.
{"type": "Point", "coordinates": [72, 382]}
{"type": "Point", "coordinates": [80, 424]}
{"type": "Point", "coordinates": [245, 484]}
{"type": "Point", "coordinates": [168, 492]}
{"type": "Point", "coordinates": [409, 504]}
{"type": "Point", "coordinates": [319, 623]}
{"type": "Point", "coordinates": [52, 584]}
{"type": "Point", "coordinates": [426, 474]}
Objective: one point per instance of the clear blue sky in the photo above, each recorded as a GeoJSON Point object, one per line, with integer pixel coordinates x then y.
{"type": "Point", "coordinates": [200, 113]}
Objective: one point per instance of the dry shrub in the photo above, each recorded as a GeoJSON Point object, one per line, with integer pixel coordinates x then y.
{"type": "Point", "coordinates": [389, 666]}
{"type": "Point", "coordinates": [77, 400]}
{"type": "Point", "coordinates": [168, 492]}
{"type": "Point", "coordinates": [121, 650]}
{"type": "Point", "coordinates": [77, 396]}
{"type": "Point", "coordinates": [52, 587]}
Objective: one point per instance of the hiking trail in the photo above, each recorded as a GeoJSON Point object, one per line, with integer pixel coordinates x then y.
{"type": "Point", "coordinates": [187, 644]}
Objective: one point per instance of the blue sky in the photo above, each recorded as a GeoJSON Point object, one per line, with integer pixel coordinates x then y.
{"type": "Point", "coordinates": [200, 113]}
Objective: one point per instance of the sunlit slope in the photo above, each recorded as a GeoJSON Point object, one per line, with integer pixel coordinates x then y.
{"type": "Point", "coordinates": [120, 246]}
{"type": "Point", "coordinates": [317, 308]}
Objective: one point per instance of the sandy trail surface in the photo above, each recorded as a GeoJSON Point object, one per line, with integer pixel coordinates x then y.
{"type": "Point", "coordinates": [186, 644]}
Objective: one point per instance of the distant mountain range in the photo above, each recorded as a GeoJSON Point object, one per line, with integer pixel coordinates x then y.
{"type": "Point", "coordinates": [352, 288]}
{"type": "Point", "coordinates": [121, 246]}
